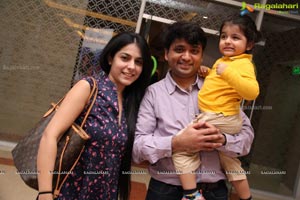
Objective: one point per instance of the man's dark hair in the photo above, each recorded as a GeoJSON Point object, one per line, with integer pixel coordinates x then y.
{"type": "Point", "coordinates": [189, 31]}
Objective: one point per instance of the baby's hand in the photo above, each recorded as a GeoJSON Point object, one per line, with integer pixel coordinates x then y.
{"type": "Point", "coordinates": [203, 71]}
{"type": "Point", "coordinates": [221, 68]}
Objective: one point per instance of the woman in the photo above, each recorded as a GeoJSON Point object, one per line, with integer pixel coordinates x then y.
{"type": "Point", "coordinates": [126, 65]}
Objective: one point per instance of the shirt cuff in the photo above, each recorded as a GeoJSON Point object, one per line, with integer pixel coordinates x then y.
{"type": "Point", "coordinates": [230, 148]}
{"type": "Point", "coordinates": [164, 146]}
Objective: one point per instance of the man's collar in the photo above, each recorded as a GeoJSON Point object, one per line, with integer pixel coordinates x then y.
{"type": "Point", "coordinates": [171, 84]}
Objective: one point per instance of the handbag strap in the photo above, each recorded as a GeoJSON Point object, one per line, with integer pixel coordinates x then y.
{"type": "Point", "coordinates": [93, 94]}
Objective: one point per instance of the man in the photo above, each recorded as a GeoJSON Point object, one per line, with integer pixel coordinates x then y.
{"type": "Point", "coordinates": [168, 107]}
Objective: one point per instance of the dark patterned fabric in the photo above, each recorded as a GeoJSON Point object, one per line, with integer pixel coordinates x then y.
{"type": "Point", "coordinates": [96, 174]}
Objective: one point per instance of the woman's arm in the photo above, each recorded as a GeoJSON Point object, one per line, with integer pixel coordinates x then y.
{"type": "Point", "coordinates": [69, 110]}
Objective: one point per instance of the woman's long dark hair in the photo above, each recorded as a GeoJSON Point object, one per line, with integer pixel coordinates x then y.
{"type": "Point", "coordinates": [132, 95]}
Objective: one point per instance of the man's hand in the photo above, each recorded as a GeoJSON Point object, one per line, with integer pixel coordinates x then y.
{"type": "Point", "coordinates": [200, 136]}
{"type": "Point", "coordinates": [223, 140]}
{"type": "Point", "coordinates": [203, 71]}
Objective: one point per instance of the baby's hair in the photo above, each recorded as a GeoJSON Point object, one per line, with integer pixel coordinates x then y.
{"type": "Point", "coordinates": [246, 24]}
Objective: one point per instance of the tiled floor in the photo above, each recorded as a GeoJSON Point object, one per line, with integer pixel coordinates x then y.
{"type": "Point", "coordinates": [13, 188]}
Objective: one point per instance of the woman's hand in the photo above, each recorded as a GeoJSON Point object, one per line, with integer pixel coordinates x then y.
{"type": "Point", "coordinates": [47, 196]}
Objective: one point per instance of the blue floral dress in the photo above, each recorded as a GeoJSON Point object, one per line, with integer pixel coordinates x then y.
{"type": "Point", "coordinates": [97, 172]}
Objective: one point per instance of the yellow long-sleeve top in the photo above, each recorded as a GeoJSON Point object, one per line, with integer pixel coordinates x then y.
{"type": "Point", "coordinates": [223, 93]}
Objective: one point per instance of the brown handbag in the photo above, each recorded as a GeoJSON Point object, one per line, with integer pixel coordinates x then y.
{"type": "Point", "coordinates": [69, 148]}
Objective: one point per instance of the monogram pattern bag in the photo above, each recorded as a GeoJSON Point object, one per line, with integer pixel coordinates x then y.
{"type": "Point", "coordinates": [69, 148]}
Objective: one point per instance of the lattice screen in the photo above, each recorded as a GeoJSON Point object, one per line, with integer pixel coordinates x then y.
{"type": "Point", "coordinates": [116, 16]}
{"type": "Point", "coordinates": [123, 15]}
{"type": "Point", "coordinates": [191, 10]}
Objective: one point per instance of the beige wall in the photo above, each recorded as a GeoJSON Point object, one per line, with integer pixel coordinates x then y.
{"type": "Point", "coordinates": [40, 41]}
{"type": "Point", "coordinates": [37, 55]}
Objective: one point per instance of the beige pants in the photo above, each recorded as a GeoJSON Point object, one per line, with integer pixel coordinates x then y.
{"type": "Point", "coordinates": [188, 162]}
